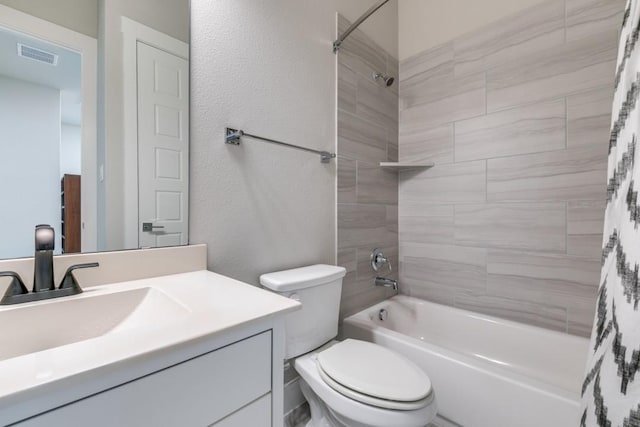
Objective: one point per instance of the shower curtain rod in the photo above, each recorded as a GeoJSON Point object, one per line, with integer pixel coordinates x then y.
{"type": "Point", "coordinates": [356, 24]}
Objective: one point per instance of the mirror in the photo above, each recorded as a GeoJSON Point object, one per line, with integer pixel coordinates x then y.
{"type": "Point", "coordinates": [94, 123]}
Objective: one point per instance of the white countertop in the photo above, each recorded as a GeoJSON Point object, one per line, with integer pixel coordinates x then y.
{"type": "Point", "coordinates": [214, 306]}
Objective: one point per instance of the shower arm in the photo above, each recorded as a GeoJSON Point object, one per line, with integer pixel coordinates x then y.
{"type": "Point", "coordinates": [338, 43]}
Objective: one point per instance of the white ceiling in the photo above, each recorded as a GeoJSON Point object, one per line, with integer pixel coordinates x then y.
{"type": "Point", "coordinates": [65, 76]}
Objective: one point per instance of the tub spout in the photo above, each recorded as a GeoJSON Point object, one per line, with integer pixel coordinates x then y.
{"type": "Point", "coordinates": [387, 283]}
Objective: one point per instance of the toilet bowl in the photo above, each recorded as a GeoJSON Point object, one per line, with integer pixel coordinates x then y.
{"type": "Point", "coordinates": [350, 383]}
{"type": "Point", "coordinates": [351, 405]}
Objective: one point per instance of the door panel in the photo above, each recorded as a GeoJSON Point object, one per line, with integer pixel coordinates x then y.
{"type": "Point", "coordinates": [163, 147]}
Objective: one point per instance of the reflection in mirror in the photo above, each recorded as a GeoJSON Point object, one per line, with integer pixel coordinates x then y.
{"type": "Point", "coordinates": [94, 119]}
{"type": "Point", "coordinates": [40, 121]}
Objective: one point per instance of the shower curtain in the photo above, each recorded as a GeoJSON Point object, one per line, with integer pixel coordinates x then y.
{"type": "Point", "coordinates": [611, 388]}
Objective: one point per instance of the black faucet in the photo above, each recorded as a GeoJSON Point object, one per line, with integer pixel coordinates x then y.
{"type": "Point", "coordinates": [43, 259]}
{"type": "Point", "coordinates": [43, 285]}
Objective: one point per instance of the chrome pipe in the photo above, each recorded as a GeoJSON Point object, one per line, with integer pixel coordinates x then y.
{"type": "Point", "coordinates": [356, 24]}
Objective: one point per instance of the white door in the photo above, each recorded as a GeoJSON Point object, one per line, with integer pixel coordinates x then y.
{"type": "Point", "coordinates": [163, 147]}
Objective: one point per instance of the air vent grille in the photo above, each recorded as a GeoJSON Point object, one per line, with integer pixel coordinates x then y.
{"type": "Point", "coordinates": [37, 54]}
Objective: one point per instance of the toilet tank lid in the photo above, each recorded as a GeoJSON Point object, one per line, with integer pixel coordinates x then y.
{"type": "Point", "coordinates": [301, 278]}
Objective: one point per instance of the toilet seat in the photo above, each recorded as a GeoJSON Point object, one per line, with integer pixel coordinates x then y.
{"type": "Point", "coordinates": [350, 411]}
{"type": "Point", "coordinates": [374, 375]}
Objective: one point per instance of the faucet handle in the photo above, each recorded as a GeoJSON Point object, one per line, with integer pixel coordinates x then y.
{"type": "Point", "coordinates": [69, 281]}
{"type": "Point", "coordinates": [16, 287]}
{"type": "Point", "coordinates": [378, 260]}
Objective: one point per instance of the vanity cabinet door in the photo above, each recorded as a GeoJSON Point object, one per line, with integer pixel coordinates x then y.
{"type": "Point", "coordinates": [257, 414]}
{"type": "Point", "coordinates": [198, 392]}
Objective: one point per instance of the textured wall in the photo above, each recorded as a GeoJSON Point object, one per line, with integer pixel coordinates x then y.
{"type": "Point", "coordinates": [367, 194]}
{"type": "Point", "coordinates": [268, 68]}
{"type": "Point", "coordinates": [516, 116]}
{"type": "Point", "coordinates": [261, 207]}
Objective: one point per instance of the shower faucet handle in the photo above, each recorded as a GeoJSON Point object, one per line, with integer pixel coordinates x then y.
{"type": "Point", "coordinates": [378, 260]}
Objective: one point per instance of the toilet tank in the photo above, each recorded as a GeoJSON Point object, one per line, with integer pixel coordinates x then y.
{"type": "Point", "coordinates": [318, 288]}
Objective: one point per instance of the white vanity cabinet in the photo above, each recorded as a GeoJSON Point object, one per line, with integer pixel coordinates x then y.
{"type": "Point", "coordinates": [190, 349]}
{"type": "Point", "coordinates": [228, 387]}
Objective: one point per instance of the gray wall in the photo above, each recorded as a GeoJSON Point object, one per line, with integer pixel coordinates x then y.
{"type": "Point", "coordinates": [265, 67]}
{"type": "Point", "coordinates": [367, 194]}
{"type": "Point", "coordinates": [78, 15]}
{"type": "Point", "coordinates": [516, 117]}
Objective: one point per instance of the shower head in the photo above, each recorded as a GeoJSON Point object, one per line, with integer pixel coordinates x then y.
{"type": "Point", "coordinates": [387, 79]}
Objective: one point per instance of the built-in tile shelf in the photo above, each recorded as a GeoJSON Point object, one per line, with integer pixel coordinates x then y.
{"type": "Point", "coordinates": [400, 166]}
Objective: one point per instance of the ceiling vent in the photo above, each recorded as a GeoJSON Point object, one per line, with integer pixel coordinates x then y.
{"type": "Point", "coordinates": [37, 54]}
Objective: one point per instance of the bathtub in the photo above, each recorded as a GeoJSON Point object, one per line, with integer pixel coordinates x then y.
{"type": "Point", "coordinates": [486, 371]}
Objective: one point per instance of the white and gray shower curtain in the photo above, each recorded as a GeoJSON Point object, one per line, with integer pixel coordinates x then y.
{"type": "Point", "coordinates": [611, 388]}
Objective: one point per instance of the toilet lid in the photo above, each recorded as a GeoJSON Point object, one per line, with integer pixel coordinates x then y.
{"type": "Point", "coordinates": [374, 401]}
{"type": "Point", "coordinates": [375, 371]}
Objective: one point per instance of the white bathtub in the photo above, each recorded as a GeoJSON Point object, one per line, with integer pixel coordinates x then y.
{"type": "Point", "coordinates": [486, 371]}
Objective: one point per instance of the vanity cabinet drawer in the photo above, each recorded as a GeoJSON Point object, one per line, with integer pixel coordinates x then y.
{"type": "Point", "coordinates": [197, 392]}
{"type": "Point", "coordinates": [256, 414]}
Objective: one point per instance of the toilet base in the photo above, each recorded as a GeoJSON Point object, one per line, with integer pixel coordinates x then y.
{"type": "Point", "coordinates": [321, 414]}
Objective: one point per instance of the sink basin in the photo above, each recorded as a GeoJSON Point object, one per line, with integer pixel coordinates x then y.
{"type": "Point", "coordinates": [55, 323]}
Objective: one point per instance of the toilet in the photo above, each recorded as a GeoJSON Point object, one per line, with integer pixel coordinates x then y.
{"type": "Point", "coordinates": [350, 383]}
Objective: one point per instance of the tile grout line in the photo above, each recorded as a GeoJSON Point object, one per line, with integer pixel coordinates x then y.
{"type": "Point", "coordinates": [357, 162]}
{"type": "Point", "coordinates": [566, 228]}
{"type": "Point", "coordinates": [486, 93]}
{"type": "Point", "coordinates": [507, 156]}
{"type": "Point", "coordinates": [565, 20]}
{"type": "Point", "coordinates": [486, 181]}
{"type": "Point", "coordinates": [566, 122]}
{"type": "Point", "coordinates": [453, 139]}
{"type": "Point", "coordinates": [549, 100]}
{"type": "Point", "coordinates": [356, 261]}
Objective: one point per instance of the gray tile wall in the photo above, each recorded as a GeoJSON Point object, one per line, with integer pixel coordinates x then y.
{"type": "Point", "coordinates": [367, 194]}
{"type": "Point", "coordinates": [516, 117]}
